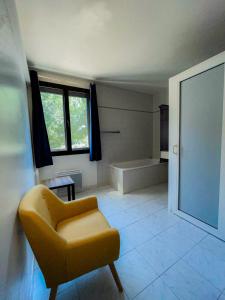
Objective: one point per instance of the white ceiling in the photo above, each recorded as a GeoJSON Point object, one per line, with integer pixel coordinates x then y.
{"type": "Point", "coordinates": [137, 44]}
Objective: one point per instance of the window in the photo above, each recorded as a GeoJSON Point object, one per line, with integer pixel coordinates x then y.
{"type": "Point", "coordinates": [66, 111]}
{"type": "Point", "coordinates": [52, 102]}
{"type": "Point", "coordinates": [78, 108]}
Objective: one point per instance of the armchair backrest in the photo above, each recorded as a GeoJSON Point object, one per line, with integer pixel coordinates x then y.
{"type": "Point", "coordinates": [41, 202]}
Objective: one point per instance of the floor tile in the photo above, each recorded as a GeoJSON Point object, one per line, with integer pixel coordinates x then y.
{"type": "Point", "coordinates": [176, 242]}
{"type": "Point", "coordinates": [135, 273]}
{"type": "Point", "coordinates": [167, 217]}
{"type": "Point", "coordinates": [208, 265]}
{"type": "Point", "coordinates": [222, 296]}
{"type": "Point", "coordinates": [214, 245]}
{"type": "Point", "coordinates": [109, 208]}
{"type": "Point", "coordinates": [146, 208]}
{"type": "Point", "coordinates": [159, 189]}
{"type": "Point", "coordinates": [68, 285]}
{"type": "Point", "coordinates": [158, 290]}
{"type": "Point", "coordinates": [122, 219]}
{"type": "Point", "coordinates": [131, 201]}
{"type": "Point", "coordinates": [187, 230]}
{"type": "Point", "coordinates": [158, 256]}
{"type": "Point", "coordinates": [99, 285]}
{"type": "Point", "coordinates": [187, 284]}
{"type": "Point", "coordinates": [126, 244]}
{"type": "Point", "coordinates": [161, 220]}
{"type": "Point", "coordinates": [70, 293]}
{"type": "Point", "coordinates": [40, 290]}
{"type": "Point", "coordinates": [137, 233]}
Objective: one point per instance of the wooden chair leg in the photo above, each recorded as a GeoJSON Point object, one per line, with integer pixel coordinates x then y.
{"type": "Point", "coordinates": [53, 293]}
{"type": "Point", "coordinates": [116, 277]}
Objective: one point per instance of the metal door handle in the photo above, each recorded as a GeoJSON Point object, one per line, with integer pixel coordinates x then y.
{"type": "Point", "coordinates": [175, 149]}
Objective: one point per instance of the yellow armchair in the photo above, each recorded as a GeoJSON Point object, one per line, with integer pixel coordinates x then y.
{"type": "Point", "coordinates": [68, 238]}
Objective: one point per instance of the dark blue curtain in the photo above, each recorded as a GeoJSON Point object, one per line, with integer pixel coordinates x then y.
{"type": "Point", "coordinates": [95, 140]}
{"type": "Point", "coordinates": [42, 152]}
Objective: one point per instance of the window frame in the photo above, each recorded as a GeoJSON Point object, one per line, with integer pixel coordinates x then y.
{"type": "Point", "coordinates": [66, 112]}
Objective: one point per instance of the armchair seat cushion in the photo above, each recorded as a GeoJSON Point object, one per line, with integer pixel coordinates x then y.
{"type": "Point", "coordinates": [82, 226]}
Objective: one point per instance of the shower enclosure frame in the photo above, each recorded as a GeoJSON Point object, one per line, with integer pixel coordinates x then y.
{"type": "Point", "coordinates": [174, 142]}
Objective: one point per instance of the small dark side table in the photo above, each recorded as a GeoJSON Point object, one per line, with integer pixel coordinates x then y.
{"type": "Point", "coordinates": [61, 182]}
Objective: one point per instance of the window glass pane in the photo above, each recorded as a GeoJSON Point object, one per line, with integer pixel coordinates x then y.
{"type": "Point", "coordinates": [54, 118]}
{"type": "Point", "coordinates": [78, 121]}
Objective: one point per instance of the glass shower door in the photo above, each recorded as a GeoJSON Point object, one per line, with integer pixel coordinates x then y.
{"type": "Point", "coordinates": [201, 114]}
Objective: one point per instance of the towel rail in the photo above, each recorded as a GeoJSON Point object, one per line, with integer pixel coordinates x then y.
{"type": "Point", "coordinates": [110, 131]}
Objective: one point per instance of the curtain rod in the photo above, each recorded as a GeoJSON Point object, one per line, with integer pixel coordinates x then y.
{"type": "Point", "coordinates": [127, 109]}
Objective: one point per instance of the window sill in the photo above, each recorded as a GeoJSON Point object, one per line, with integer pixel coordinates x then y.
{"type": "Point", "coordinates": [72, 152]}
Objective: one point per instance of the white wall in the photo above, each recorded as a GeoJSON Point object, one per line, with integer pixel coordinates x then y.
{"type": "Point", "coordinates": [16, 166]}
{"type": "Point", "coordinates": [135, 138]}
{"type": "Point", "coordinates": [78, 162]}
{"type": "Point", "coordinates": [158, 99]}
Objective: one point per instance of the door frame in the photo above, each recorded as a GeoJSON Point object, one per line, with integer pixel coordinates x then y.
{"type": "Point", "coordinates": [174, 141]}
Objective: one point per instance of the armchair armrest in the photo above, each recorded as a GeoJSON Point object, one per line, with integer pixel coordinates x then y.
{"type": "Point", "coordinates": [107, 234]}
{"type": "Point", "coordinates": [76, 207]}
{"type": "Point", "coordinates": [48, 247]}
{"type": "Point", "coordinates": [88, 253]}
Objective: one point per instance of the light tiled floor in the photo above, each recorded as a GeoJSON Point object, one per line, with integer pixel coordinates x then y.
{"type": "Point", "coordinates": [162, 256]}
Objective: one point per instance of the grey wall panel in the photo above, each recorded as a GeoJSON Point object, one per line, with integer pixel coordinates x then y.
{"type": "Point", "coordinates": [201, 108]}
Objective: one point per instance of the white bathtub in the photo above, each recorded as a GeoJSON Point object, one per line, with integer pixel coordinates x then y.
{"type": "Point", "coordinates": [137, 174]}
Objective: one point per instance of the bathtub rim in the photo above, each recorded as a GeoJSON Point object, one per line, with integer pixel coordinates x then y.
{"type": "Point", "coordinates": [157, 162]}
